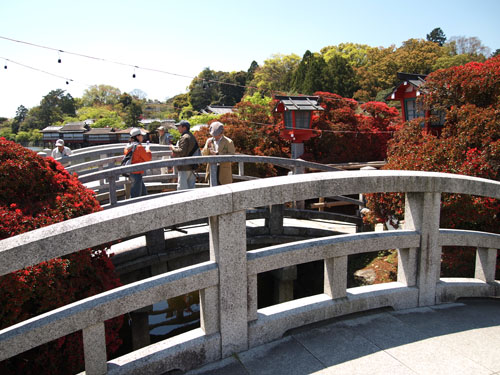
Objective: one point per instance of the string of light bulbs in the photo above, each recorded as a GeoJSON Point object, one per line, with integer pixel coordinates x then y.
{"type": "Point", "coordinates": [134, 67]}
{"type": "Point", "coordinates": [59, 51]}
{"type": "Point", "coordinates": [68, 80]}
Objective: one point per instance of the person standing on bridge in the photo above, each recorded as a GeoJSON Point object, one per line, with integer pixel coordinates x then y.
{"type": "Point", "coordinates": [186, 146]}
{"type": "Point", "coordinates": [140, 155]}
{"type": "Point", "coordinates": [219, 144]}
{"type": "Point", "coordinates": [163, 139]}
{"type": "Point", "coordinates": [60, 150]}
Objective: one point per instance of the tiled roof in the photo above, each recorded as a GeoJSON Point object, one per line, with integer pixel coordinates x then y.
{"type": "Point", "coordinates": [75, 127]}
{"type": "Point", "coordinates": [95, 131]}
{"type": "Point", "coordinates": [52, 129]}
{"type": "Point", "coordinates": [299, 103]}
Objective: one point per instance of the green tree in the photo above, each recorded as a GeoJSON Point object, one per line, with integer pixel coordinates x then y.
{"type": "Point", "coordinates": [108, 122]}
{"type": "Point", "coordinates": [7, 134]}
{"type": "Point", "coordinates": [310, 74]}
{"type": "Point", "coordinates": [340, 77]}
{"type": "Point", "coordinates": [204, 118]}
{"type": "Point", "coordinates": [275, 74]}
{"type": "Point", "coordinates": [203, 90]}
{"type": "Point", "coordinates": [54, 106]}
{"type": "Point", "coordinates": [355, 54]}
{"type": "Point", "coordinates": [134, 113]}
{"type": "Point", "coordinates": [98, 95]}
{"type": "Point", "coordinates": [496, 53]}
{"type": "Point", "coordinates": [380, 72]}
{"type": "Point", "coordinates": [231, 92]}
{"type": "Point", "coordinates": [21, 114]}
{"type": "Point", "coordinates": [35, 137]}
{"type": "Point", "coordinates": [125, 100]}
{"type": "Point", "coordinates": [23, 138]}
{"type": "Point", "coordinates": [437, 36]}
{"type": "Point", "coordinates": [251, 71]}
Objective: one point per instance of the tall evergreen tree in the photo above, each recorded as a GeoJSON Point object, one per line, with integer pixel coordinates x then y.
{"type": "Point", "coordinates": [437, 36]}
{"type": "Point", "coordinates": [21, 114]}
{"type": "Point", "coordinates": [340, 77]}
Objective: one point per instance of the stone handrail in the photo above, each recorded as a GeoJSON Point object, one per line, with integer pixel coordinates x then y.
{"type": "Point", "coordinates": [230, 319]}
{"type": "Point", "coordinates": [96, 153]}
{"type": "Point", "coordinates": [112, 174]}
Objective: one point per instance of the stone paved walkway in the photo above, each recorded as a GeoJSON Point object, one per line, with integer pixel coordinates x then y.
{"type": "Point", "coordinates": [459, 338]}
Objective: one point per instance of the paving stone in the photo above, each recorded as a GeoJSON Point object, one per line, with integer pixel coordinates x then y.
{"type": "Point", "coordinates": [285, 356]}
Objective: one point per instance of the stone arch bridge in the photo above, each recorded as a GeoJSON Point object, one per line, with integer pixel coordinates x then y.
{"type": "Point", "coordinates": [231, 322]}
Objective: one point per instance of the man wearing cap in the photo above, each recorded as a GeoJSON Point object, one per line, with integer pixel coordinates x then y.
{"type": "Point", "coordinates": [219, 144]}
{"type": "Point", "coordinates": [60, 150]}
{"type": "Point", "coordinates": [163, 139]}
{"type": "Point", "coordinates": [163, 136]}
{"type": "Point", "coordinates": [140, 155]}
{"type": "Point", "coordinates": [186, 146]}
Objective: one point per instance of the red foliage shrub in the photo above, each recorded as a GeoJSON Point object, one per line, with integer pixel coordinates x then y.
{"type": "Point", "coordinates": [469, 144]}
{"type": "Point", "coordinates": [351, 132]}
{"type": "Point", "coordinates": [35, 192]}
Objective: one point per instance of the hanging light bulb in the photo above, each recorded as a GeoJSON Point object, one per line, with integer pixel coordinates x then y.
{"type": "Point", "coordinates": [59, 54]}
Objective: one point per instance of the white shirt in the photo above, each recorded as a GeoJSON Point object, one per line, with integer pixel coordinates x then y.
{"type": "Point", "coordinates": [57, 154]}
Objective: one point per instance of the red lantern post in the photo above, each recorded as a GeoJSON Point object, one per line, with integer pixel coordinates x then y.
{"type": "Point", "coordinates": [297, 117]}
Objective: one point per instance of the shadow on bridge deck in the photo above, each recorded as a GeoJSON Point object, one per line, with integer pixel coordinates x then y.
{"type": "Point", "coordinates": [458, 338]}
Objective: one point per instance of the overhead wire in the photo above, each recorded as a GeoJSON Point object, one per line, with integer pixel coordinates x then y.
{"type": "Point", "coordinates": [59, 51]}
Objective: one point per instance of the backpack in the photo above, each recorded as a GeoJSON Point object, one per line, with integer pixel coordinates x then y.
{"type": "Point", "coordinates": [127, 160]}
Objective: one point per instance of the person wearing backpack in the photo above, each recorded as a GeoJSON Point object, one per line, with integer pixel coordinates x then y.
{"type": "Point", "coordinates": [186, 146]}
{"type": "Point", "coordinates": [140, 155]}
{"type": "Point", "coordinates": [219, 144]}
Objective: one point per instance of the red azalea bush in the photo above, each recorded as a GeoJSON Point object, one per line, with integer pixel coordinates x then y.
{"type": "Point", "coordinates": [35, 192]}
{"type": "Point", "coordinates": [350, 132]}
{"type": "Point", "coordinates": [469, 144]}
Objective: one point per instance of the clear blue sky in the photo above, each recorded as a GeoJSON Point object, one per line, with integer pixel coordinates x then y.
{"type": "Point", "coordinates": [185, 36]}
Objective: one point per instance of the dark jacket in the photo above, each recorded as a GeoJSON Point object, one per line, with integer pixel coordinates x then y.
{"type": "Point", "coordinates": [183, 148]}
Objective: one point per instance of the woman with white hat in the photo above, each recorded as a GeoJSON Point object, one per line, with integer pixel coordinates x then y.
{"type": "Point", "coordinates": [140, 155]}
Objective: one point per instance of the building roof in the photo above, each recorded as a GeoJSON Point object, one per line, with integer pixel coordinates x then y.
{"type": "Point", "coordinates": [78, 127]}
{"type": "Point", "coordinates": [96, 131]}
{"type": "Point", "coordinates": [218, 109]}
{"type": "Point", "coordinates": [298, 103]}
{"type": "Point", "coordinates": [52, 129]}
{"type": "Point", "coordinates": [405, 79]}
{"type": "Point", "coordinates": [147, 121]}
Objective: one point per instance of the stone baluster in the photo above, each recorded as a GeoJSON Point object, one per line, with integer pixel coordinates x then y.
{"type": "Point", "coordinates": [422, 212]}
{"type": "Point", "coordinates": [228, 249]}
{"type": "Point", "coordinates": [94, 349]}
{"type": "Point", "coordinates": [485, 264]}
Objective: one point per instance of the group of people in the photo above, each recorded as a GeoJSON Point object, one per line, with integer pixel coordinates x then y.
{"type": "Point", "coordinates": [217, 144]}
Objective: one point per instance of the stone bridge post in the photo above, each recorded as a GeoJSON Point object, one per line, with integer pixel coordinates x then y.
{"type": "Point", "coordinates": [422, 212]}
{"type": "Point", "coordinates": [228, 249]}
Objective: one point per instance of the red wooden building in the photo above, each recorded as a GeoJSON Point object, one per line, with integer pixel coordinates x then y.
{"type": "Point", "coordinates": [407, 91]}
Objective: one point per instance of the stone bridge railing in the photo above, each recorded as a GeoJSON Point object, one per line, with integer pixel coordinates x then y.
{"type": "Point", "coordinates": [113, 173]}
{"type": "Point", "coordinates": [230, 319]}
